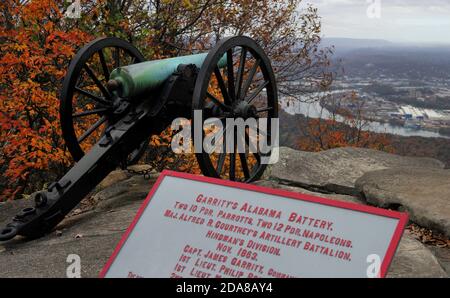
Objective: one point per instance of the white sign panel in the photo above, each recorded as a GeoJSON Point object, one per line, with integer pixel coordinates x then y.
{"type": "Point", "coordinates": [193, 226]}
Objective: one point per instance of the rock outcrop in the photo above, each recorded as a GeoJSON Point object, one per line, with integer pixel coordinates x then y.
{"type": "Point", "coordinates": [423, 192]}
{"type": "Point", "coordinates": [93, 231]}
{"type": "Point", "coordinates": [92, 235]}
{"type": "Point", "coordinates": [337, 170]}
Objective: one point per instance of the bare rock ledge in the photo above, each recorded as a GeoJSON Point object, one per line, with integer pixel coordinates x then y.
{"type": "Point", "coordinates": [337, 170]}
{"type": "Point", "coordinates": [423, 192]}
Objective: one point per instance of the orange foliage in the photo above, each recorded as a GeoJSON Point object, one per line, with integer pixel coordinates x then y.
{"type": "Point", "coordinates": [345, 126]}
{"type": "Point", "coordinates": [34, 55]}
{"type": "Point", "coordinates": [328, 134]}
{"type": "Point", "coordinates": [37, 43]}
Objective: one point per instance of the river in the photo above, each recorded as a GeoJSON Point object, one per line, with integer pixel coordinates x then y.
{"type": "Point", "coordinates": [314, 110]}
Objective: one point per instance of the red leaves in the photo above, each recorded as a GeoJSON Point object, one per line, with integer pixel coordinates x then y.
{"type": "Point", "coordinates": [33, 57]}
{"type": "Point", "coordinates": [322, 134]}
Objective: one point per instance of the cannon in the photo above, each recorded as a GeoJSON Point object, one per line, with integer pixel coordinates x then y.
{"type": "Point", "coordinates": [112, 101]}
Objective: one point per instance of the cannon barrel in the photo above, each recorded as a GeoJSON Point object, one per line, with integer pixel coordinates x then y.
{"type": "Point", "coordinates": [135, 79]}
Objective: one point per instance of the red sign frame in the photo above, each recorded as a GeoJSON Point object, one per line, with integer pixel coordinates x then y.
{"type": "Point", "coordinates": [402, 217]}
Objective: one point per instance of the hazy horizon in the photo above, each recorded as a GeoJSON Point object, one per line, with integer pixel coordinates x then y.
{"type": "Point", "coordinates": [398, 21]}
{"type": "Point", "coordinates": [392, 42]}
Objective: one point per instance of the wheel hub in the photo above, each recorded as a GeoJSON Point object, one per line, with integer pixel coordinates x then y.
{"type": "Point", "coordinates": [245, 110]}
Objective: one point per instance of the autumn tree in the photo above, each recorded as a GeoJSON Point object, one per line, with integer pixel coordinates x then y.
{"type": "Point", "coordinates": [36, 47]}
{"type": "Point", "coordinates": [38, 41]}
{"type": "Point", "coordinates": [288, 30]}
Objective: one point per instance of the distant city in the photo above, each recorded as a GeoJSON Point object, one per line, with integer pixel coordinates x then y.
{"type": "Point", "coordinates": [404, 89]}
{"type": "Point", "coordinates": [426, 105]}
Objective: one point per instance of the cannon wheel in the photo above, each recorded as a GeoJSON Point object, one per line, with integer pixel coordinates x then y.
{"type": "Point", "coordinates": [245, 88]}
{"type": "Point", "coordinates": [85, 98]}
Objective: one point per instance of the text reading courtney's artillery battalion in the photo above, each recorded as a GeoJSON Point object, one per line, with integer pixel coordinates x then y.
{"type": "Point", "coordinates": [245, 233]}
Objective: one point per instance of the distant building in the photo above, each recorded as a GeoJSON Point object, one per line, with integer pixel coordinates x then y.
{"type": "Point", "coordinates": [410, 112]}
{"type": "Point", "coordinates": [396, 115]}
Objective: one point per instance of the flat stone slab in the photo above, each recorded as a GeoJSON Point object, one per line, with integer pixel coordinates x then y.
{"type": "Point", "coordinates": [443, 256]}
{"type": "Point", "coordinates": [337, 197]}
{"type": "Point", "coordinates": [423, 193]}
{"type": "Point", "coordinates": [414, 260]}
{"type": "Point", "coordinates": [93, 235]}
{"type": "Point", "coordinates": [123, 192]}
{"type": "Point", "coordinates": [337, 170]}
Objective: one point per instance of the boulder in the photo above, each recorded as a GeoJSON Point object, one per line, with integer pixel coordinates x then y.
{"type": "Point", "coordinates": [133, 189]}
{"type": "Point", "coordinates": [414, 260]}
{"type": "Point", "coordinates": [121, 175]}
{"type": "Point", "coordinates": [113, 178]}
{"type": "Point", "coordinates": [423, 192]}
{"type": "Point", "coordinates": [443, 256]}
{"type": "Point", "coordinates": [337, 170]}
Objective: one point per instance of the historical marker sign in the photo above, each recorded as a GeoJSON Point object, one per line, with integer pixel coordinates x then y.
{"type": "Point", "coordinates": [193, 226]}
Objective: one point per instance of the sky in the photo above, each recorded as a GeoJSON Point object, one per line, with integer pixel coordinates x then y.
{"type": "Point", "coordinates": [411, 21]}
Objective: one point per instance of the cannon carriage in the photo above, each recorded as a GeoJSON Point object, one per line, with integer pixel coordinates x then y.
{"type": "Point", "coordinates": [112, 101]}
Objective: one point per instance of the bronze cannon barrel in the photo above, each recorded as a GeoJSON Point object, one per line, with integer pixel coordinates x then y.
{"type": "Point", "coordinates": [135, 79]}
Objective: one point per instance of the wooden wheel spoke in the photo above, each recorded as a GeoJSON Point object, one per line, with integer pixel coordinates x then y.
{"type": "Point", "coordinates": [90, 112]}
{"type": "Point", "coordinates": [265, 109]}
{"type": "Point", "coordinates": [116, 55]}
{"type": "Point", "coordinates": [233, 166]}
{"type": "Point", "coordinates": [258, 158]}
{"type": "Point", "coordinates": [223, 153]}
{"type": "Point", "coordinates": [230, 75]}
{"type": "Point", "coordinates": [240, 74]}
{"type": "Point", "coordinates": [249, 80]}
{"type": "Point", "coordinates": [218, 102]}
{"type": "Point", "coordinates": [97, 82]}
{"type": "Point", "coordinates": [244, 164]}
{"type": "Point", "coordinates": [256, 92]}
{"type": "Point", "coordinates": [224, 134]}
{"type": "Point", "coordinates": [91, 129]}
{"type": "Point", "coordinates": [264, 133]}
{"type": "Point", "coordinates": [104, 65]}
{"type": "Point", "coordinates": [92, 96]}
{"type": "Point", "coordinates": [255, 154]}
{"type": "Point", "coordinates": [233, 160]}
{"type": "Point", "coordinates": [222, 87]}
{"type": "Point", "coordinates": [220, 163]}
